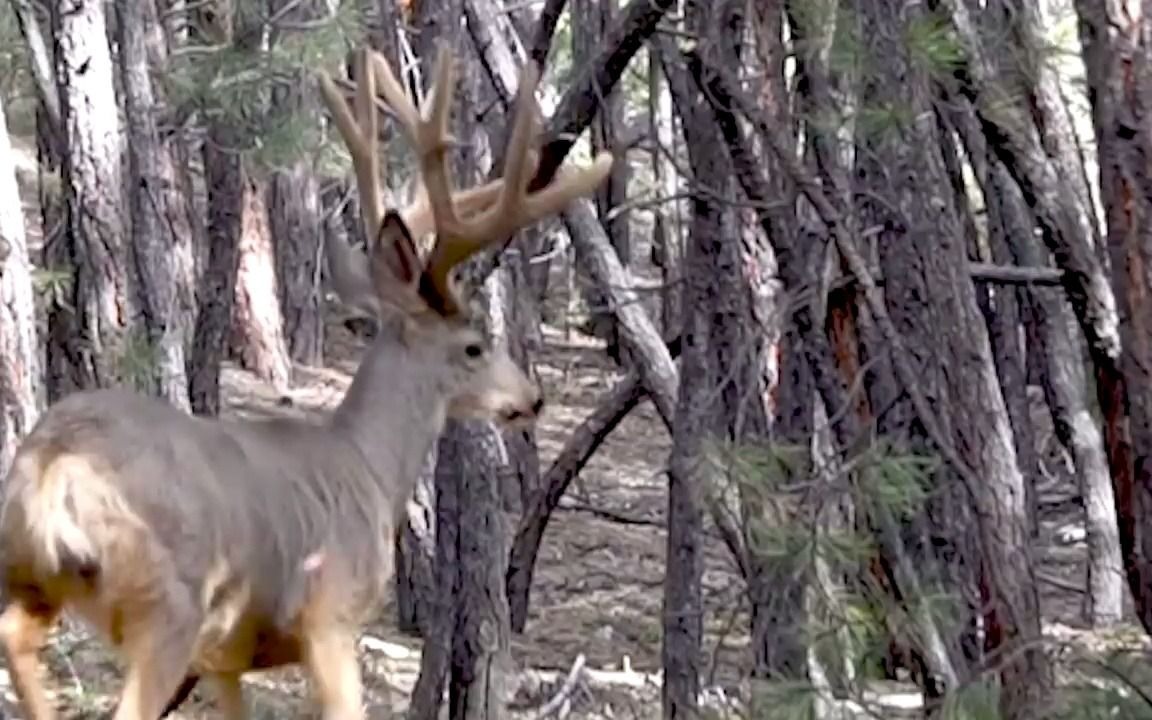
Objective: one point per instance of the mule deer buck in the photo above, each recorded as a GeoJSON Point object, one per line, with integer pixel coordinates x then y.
{"type": "Point", "coordinates": [206, 547]}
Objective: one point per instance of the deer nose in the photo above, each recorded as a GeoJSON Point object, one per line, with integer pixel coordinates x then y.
{"type": "Point", "coordinates": [538, 405]}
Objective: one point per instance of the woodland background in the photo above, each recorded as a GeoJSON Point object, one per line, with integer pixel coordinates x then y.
{"type": "Point", "coordinates": [849, 365]}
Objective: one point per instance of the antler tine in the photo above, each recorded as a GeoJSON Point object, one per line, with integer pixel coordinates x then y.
{"type": "Point", "coordinates": [514, 207]}
{"type": "Point", "coordinates": [431, 139]}
{"type": "Point", "coordinates": [359, 135]}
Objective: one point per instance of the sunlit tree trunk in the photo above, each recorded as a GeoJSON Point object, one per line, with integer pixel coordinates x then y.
{"type": "Point", "coordinates": [21, 384]}
{"type": "Point", "coordinates": [257, 321]}
{"type": "Point", "coordinates": [89, 340]}
{"type": "Point", "coordinates": [163, 257]}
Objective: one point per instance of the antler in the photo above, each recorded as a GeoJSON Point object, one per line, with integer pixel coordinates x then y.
{"type": "Point", "coordinates": [466, 221]}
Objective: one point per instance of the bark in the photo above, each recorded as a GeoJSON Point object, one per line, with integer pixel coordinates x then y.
{"type": "Point", "coordinates": [468, 472]}
{"type": "Point", "coordinates": [40, 62]}
{"type": "Point", "coordinates": [257, 322]}
{"type": "Point", "coordinates": [1056, 341]}
{"type": "Point", "coordinates": [1118, 66]}
{"type": "Point", "coordinates": [163, 257]}
{"type": "Point", "coordinates": [481, 643]}
{"type": "Point", "coordinates": [776, 584]}
{"type": "Point", "coordinates": [228, 187]}
{"type": "Point", "coordinates": [295, 224]}
{"type": "Point", "coordinates": [590, 21]}
{"type": "Point", "coordinates": [636, 21]}
{"type": "Point", "coordinates": [666, 246]}
{"type": "Point", "coordinates": [436, 657]}
{"type": "Point", "coordinates": [1066, 227]}
{"type": "Point", "coordinates": [935, 309]}
{"type": "Point", "coordinates": [713, 382]}
{"type": "Point", "coordinates": [818, 353]}
{"type": "Point", "coordinates": [21, 389]}
{"type": "Point", "coordinates": [90, 341]}
{"type": "Point", "coordinates": [294, 208]}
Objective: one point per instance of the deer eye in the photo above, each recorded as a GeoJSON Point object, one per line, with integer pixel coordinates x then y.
{"type": "Point", "coordinates": [473, 350]}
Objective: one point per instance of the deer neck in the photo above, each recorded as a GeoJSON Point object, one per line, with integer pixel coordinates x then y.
{"type": "Point", "coordinates": [393, 412]}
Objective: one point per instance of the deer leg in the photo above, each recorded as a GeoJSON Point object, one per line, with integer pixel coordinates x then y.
{"type": "Point", "coordinates": [158, 647]}
{"type": "Point", "coordinates": [330, 655]}
{"type": "Point", "coordinates": [229, 696]}
{"type": "Point", "coordinates": [23, 628]}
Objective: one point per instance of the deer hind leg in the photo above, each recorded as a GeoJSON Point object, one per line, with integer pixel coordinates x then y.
{"type": "Point", "coordinates": [24, 625]}
{"type": "Point", "coordinates": [330, 656]}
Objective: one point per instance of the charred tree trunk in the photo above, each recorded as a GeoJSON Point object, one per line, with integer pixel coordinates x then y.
{"type": "Point", "coordinates": [21, 391]}
{"type": "Point", "coordinates": [90, 338]}
{"type": "Point", "coordinates": [163, 258]}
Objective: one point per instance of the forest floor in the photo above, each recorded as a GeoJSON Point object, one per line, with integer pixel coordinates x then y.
{"type": "Point", "coordinates": [598, 582]}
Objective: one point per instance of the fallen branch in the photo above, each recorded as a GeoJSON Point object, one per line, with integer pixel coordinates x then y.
{"type": "Point", "coordinates": [611, 515]}
{"type": "Point", "coordinates": [560, 699]}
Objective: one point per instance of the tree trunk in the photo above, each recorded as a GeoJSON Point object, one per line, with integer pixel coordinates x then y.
{"type": "Point", "coordinates": [163, 258]}
{"type": "Point", "coordinates": [934, 306]}
{"type": "Point", "coordinates": [1117, 62]}
{"type": "Point", "coordinates": [257, 323]}
{"type": "Point", "coordinates": [1057, 342]}
{"type": "Point", "coordinates": [591, 19]}
{"type": "Point", "coordinates": [481, 643]}
{"type": "Point", "coordinates": [21, 390]}
{"type": "Point", "coordinates": [294, 211]}
{"type": "Point", "coordinates": [666, 231]}
{"type": "Point", "coordinates": [224, 176]}
{"type": "Point", "coordinates": [294, 218]}
{"type": "Point", "coordinates": [91, 340]}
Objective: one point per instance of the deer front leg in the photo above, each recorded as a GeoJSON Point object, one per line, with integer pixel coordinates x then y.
{"type": "Point", "coordinates": [23, 628]}
{"type": "Point", "coordinates": [330, 655]}
{"type": "Point", "coordinates": [229, 696]}
{"type": "Point", "coordinates": [158, 644]}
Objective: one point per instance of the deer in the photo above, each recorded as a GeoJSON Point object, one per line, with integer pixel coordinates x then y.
{"type": "Point", "coordinates": [209, 548]}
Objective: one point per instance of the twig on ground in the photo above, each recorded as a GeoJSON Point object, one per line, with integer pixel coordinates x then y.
{"type": "Point", "coordinates": [560, 701]}
{"type": "Point", "coordinates": [611, 515]}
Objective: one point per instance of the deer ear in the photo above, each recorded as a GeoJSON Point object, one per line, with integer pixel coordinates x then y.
{"type": "Point", "coordinates": [394, 257]}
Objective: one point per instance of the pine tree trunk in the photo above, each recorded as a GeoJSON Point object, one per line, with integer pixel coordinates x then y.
{"type": "Point", "coordinates": [1120, 84]}
{"type": "Point", "coordinates": [933, 303]}
{"type": "Point", "coordinates": [89, 343]}
{"type": "Point", "coordinates": [21, 390]}
{"type": "Point", "coordinates": [224, 177]}
{"type": "Point", "coordinates": [163, 257]}
{"type": "Point", "coordinates": [257, 323]}
{"type": "Point", "coordinates": [1057, 342]}
{"type": "Point", "coordinates": [294, 217]}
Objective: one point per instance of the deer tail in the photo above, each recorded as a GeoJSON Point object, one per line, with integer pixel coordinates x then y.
{"type": "Point", "coordinates": [65, 503]}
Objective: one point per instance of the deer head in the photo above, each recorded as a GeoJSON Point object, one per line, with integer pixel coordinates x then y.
{"type": "Point", "coordinates": [417, 300]}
